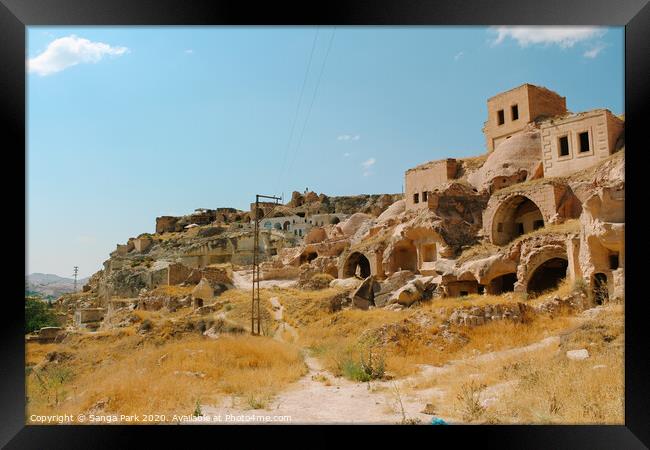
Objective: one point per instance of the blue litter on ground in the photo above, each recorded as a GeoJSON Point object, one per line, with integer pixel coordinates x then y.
{"type": "Point", "coordinates": [438, 421]}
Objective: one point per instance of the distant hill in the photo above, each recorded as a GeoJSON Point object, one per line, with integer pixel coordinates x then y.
{"type": "Point", "coordinates": [49, 285]}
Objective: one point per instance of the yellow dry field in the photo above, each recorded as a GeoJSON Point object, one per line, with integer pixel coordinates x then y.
{"type": "Point", "coordinates": [122, 373]}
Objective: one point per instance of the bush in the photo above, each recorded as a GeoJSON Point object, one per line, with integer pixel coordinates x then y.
{"type": "Point", "coordinates": [320, 281]}
{"type": "Point", "coordinates": [38, 314]}
{"type": "Point", "coordinates": [469, 399]}
{"type": "Point", "coordinates": [580, 286]}
{"type": "Point", "coordinates": [368, 365]}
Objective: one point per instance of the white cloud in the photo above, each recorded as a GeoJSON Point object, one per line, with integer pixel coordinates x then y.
{"type": "Point", "coordinates": [348, 137]}
{"type": "Point", "coordinates": [564, 37]}
{"type": "Point", "coordinates": [592, 53]}
{"type": "Point", "coordinates": [458, 55]}
{"type": "Point", "coordinates": [367, 164]}
{"type": "Point", "coordinates": [346, 154]}
{"type": "Point", "coordinates": [69, 51]}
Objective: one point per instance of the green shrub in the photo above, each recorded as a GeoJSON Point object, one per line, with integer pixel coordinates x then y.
{"type": "Point", "coordinates": [354, 371]}
{"type": "Point", "coordinates": [365, 362]}
{"type": "Point", "coordinates": [38, 314]}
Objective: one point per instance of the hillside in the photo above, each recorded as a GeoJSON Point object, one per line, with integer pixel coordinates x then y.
{"type": "Point", "coordinates": [51, 286]}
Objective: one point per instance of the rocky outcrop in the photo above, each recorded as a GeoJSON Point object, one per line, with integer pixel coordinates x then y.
{"type": "Point", "coordinates": [203, 290]}
{"type": "Point", "coordinates": [515, 160]}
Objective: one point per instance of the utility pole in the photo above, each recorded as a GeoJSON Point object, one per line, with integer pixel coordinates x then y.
{"type": "Point", "coordinates": [256, 315]}
{"type": "Point", "coordinates": [76, 270]}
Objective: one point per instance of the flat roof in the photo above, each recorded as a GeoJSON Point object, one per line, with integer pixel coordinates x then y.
{"type": "Point", "coordinates": [431, 163]}
{"type": "Point", "coordinates": [541, 88]}
{"type": "Point", "coordinates": [576, 116]}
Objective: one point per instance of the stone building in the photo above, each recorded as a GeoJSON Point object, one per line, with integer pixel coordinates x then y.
{"type": "Point", "coordinates": [578, 141]}
{"type": "Point", "coordinates": [422, 179]}
{"type": "Point", "coordinates": [298, 225]}
{"type": "Point", "coordinates": [509, 112]}
{"type": "Point", "coordinates": [533, 143]}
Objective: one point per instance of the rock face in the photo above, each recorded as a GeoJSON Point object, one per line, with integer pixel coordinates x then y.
{"type": "Point", "coordinates": [352, 224]}
{"type": "Point", "coordinates": [513, 161]}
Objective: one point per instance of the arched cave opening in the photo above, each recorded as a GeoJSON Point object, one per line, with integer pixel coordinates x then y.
{"type": "Point", "coordinates": [515, 217]}
{"type": "Point", "coordinates": [547, 276]}
{"type": "Point", "coordinates": [356, 265]}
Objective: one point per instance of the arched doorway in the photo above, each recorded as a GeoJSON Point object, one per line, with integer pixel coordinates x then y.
{"type": "Point", "coordinates": [503, 283]}
{"type": "Point", "coordinates": [600, 289]}
{"type": "Point", "coordinates": [547, 276]}
{"type": "Point", "coordinates": [356, 265]}
{"type": "Point", "coordinates": [286, 225]}
{"type": "Point", "coordinates": [516, 216]}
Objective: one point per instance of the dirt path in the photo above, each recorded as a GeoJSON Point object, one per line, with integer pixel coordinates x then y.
{"type": "Point", "coordinates": [283, 327]}
{"type": "Point", "coordinates": [319, 397]}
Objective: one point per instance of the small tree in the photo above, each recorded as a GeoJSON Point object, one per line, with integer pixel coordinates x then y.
{"type": "Point", "coordinates": [38, 314]}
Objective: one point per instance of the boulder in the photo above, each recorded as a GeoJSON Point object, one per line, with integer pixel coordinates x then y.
{"type": "Point", "coordinates": [408, 294]}
{"type": "Point", "coordinates": [577, 355]}
{"type": "Point", "coordinates": [345, 283]}
{"type": "Point", "coordinates": [364, 295]}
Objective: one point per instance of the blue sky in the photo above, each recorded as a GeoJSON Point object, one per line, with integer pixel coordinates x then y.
{"type": "Point", "coordinates": [126, 124]}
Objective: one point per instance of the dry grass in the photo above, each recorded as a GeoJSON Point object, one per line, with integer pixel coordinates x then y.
{"type": "Point", "coordinates": [570, 226]}
{"type": "Point", "coordinates": [538, 385]}
{"type": "Point", "coordinates": [172, 290]}
{"type": "Point", "coordinates": [481, 250]}
{"type": "Point", "coordinates": [412, 337]}
{"type": "Point", "coordinates": [236, 303]}
{"type": "Point", "coordinates": [124, 375]}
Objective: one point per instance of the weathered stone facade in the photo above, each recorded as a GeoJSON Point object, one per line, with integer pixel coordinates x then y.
{"type": "Point", "coordinates": [421, 180]}
{"type": "Point", "coordinates": [589, 138]}
{"type": "Point", "coordinates": [509, 112]}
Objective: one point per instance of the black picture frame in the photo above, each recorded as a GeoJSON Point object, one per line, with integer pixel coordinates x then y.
{"type": "Point", "coordinates": [16, 15]}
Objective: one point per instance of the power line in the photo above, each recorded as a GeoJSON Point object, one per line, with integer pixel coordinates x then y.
{"type": "Point", "coordinates": [295, 117]}
{"type": "Point", "coordinates": [313, 99]}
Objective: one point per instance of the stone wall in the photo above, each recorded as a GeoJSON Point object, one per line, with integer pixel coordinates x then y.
{"type": "Point", "coordinates": [141, 244]}
{"type": "Point", "coordinates": [425, 178]}
{"type": "Point", "coordinates": [166, 224]}
{"type": "Point", "coordinates": [531, 101]}
{"type": "Point", "coordinates": [88, 315]}
{"type": "Point", "coordinates": [177, 273]}
{"type": "Point", "coordinates": [603, 129]}
{"type": "Point", "coordinates": [555, 201]}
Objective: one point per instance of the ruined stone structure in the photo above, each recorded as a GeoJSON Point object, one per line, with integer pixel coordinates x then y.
{"type": "Point", "coordinates": [421, 180]}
